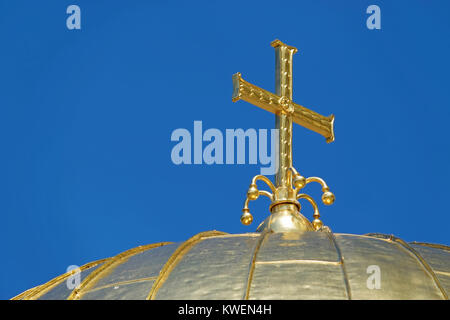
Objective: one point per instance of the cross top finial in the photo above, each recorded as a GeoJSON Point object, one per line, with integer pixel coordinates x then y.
{"type": "Point", "coordinates": [285, 207]}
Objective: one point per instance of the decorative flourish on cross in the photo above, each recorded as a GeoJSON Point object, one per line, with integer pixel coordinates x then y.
{"type": "Point", "coordinates": [285, 207]}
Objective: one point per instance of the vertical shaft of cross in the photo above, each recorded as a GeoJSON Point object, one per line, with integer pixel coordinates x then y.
{"type": "Point", "coordinates": [283, 122]}
{"type": "Point", "coordinates": [285, 207]}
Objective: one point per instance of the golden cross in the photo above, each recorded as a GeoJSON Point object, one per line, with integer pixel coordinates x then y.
{"type": "Point", "coordinates": [284, 197]}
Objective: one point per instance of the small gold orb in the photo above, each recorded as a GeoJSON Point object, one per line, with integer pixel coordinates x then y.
{"type": "Point", "coordinates": [317, 224]}
{"type": "Point", "coordinates": [253, 192]}
{"type": "Point", "coordinates": [246, 218]}
{"type": "Point", "coordinates": [328, 198]}
{"type": "Point", "coordinates": [299, 181]}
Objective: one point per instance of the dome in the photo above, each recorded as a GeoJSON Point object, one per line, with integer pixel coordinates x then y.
{"type": "Point", "coordinates": [263, 265]}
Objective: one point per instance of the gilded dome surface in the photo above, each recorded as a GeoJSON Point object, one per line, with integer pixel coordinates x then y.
{"type": "Point", "coordinates": [266, 265]}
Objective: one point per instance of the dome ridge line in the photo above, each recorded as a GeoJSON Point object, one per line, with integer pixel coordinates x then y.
{"type": "Point", "coordinates": [443, 273]}
{"type": "Point", "coordinates": [176, 257]}
{"type": "Point", "coordinates": [106, 268]}
{"type": "Point", "coordinates": [333, 240]}
{"type": "Point", "coordinates": [300, 261]}
{"type": "Point", "coordinates": [431, 245]}
{"type": "Point", "coordinates": [251, 270]}
{"type": "Point", "coordinates": [21, 296]}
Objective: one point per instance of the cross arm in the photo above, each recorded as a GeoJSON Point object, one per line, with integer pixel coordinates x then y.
{"type": "Point", "coordinates": [273, 103]}
{"type": "Point", "coordinates": [255, 95]}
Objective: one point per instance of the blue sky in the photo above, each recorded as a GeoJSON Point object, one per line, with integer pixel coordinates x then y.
{"type": "Point", "coordinates": [86, 118]}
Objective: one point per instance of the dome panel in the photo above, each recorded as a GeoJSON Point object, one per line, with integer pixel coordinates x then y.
{"type": "Point", "coordinates": [298, 280]}
{"type": "Point", "coordinates": [438, 257]}
{"type": "Point", "coordinates": [402, 275]}
{"type": "Point", "coordinates": [298, 265]}
{"type": "Point", "coordinates": [144, 265]}
{"type": "Point", "coordinates": [121, 291]}
{"type": "Point", "coordinates": [444, 279]}
{"type": "Point", "coordinates": [62, 291]}
{"type": "Point", "coordinates": [215, 268]}
{"type": "Point", "coordinates": [57, 288]}
{"type": "Point", "coordinates": [297, 246]}
{"type": "Point", "coordinates": [104, 270]}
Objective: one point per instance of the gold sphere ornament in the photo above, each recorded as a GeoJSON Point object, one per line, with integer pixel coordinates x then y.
{"type": "Point", "coordinates": [246, 217]}
{"type": "Point", "coordinates": [328, 198]}
{"type": "Point", "coordinates": [299, 181]}
{"type": "Point", "coordinates": [253, 192]}
{"type": "Point", "coordinates": [317, 224]}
